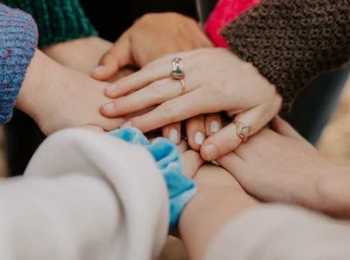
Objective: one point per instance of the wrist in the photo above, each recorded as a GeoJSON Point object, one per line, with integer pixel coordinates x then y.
{"type": "Point", "coordinates": [32, 84]}
{"type": "Point", "coordinates": [81, 54]}
{"type": "Point", "coordinates": [37, 95]}
{"type": "Point", "coordinates": [334, 193]}
{"type": "Point", "coordinates": [219, 199]}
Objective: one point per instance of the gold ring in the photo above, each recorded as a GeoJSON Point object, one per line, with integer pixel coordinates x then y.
{"type": "Point", "coordinates": [243, 131]}
{"type": "Point", "coordinates": [177, 72]}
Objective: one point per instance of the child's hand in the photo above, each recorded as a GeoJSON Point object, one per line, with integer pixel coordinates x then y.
{"type": "Point", "coordinates": [152, 36]}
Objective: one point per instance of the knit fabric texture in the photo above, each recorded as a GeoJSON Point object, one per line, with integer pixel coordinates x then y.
{"type": "Point", "coordinates": [180, 188]}
{"type": "Point", "coordinates": [225, 12]}
{"type": "Point", "coordinates": [58, 20]}
{"type": "Point", "coordinates": [292, 42]}
{"type": "Point", "coordinates": [18, 41]}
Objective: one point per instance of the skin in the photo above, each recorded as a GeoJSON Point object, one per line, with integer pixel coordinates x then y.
{"type": "Point", "coordinates": [151, 37]}
{"type": "Point", "coordinates": [231, 86]}
{"type": "Point", "coordinates": [219, 199]}
{"type": "Point", "coordinates": [85, 54]}
{"type": "Point", "coordinates": [80, 54]}
{"type": "Point", "coordinates": [60, 89]}
{"type": "Point", "coordinates": [280, 166]}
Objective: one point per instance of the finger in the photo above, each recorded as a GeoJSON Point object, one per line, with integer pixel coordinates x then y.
{"type": "Point", "coordinates": [173, 132]}
{"type": "Point", "coordinates": [182, 147]}
{"type": "Point", "coordinates": [93, 128]}
{"type": "Point", "coordinates": [154, 94]}
{"type": "Point", "coordinates": [220, 144]}
{"type": "Point", "coordinates": [172, 111]}
{"type": "Point", "coordinates": [258, 117]}
{"type": "Point", "coordinates": [213, 124]}
{"type": "Point", "coordinates": [191, 163]}
{"type": "Point", "coordinates": [285, 129]}
{"type": "Point", "coordinates": [156, 70]}
{"type": "Point", "coordinates": [232, 163]}
{"type": "Point", "coordinates": [111, 124]}
{"type": "Point", "coordinates": [117, 57]}
{"type": "Point", "coordinates": [195, 130]}
{"type": "Point", "coordinates": [228, 139]}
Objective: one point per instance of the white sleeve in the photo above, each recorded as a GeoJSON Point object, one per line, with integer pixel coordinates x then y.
{"type": "Point", "coordinates": [281, 232]}
{"type": "Point", "coordinates": [85, 196]}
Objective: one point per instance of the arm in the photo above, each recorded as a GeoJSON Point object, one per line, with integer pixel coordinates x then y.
{"type": "Point", "coordinates": [57, 97]}
{"type": "Point", "coordinates": [18, 41]}
{"type": "Point", "coordinates": [292, 42]}
{"type": "Point", "coordinates": [281, 167]}
{"type": "Point", "coordinates": [219, 200]}
{"type": "Point", "coordinates": [86, 204]}
{"type": "Point", "coordinates": [58, 20]}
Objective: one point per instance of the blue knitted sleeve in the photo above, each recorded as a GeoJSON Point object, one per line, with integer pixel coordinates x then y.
{"type": "Point", "coordinates": [18, 41]}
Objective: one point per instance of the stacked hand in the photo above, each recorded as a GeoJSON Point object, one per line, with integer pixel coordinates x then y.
{"type": "Point", "coordinates": [215, 81]}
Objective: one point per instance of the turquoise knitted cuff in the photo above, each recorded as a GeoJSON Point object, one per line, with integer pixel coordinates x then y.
{"type": "Point", "coordinates": [58, 20]}
{"type": "Point", "coordinates": [181, 189]}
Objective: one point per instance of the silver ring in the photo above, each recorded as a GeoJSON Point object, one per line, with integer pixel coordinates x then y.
{"type": "Point", "coordinates": [243, 131]}
{"type": "Point", "coordinates": [177, 72]}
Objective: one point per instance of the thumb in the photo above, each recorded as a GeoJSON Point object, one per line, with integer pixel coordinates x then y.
{"type": "Point", "coordinates": [117, 57]}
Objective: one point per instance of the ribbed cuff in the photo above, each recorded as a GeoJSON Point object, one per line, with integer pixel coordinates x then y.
{"type": "Point", "coordinates": [58, 20]}
{"type": "Point", "coordinates": [18, 41]}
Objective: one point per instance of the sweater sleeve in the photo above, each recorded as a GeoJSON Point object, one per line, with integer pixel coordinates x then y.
{"type": "Point", "coordinates": [292, 42]}
{"type": "Point", "coordinates": [58, 20]}
{"type": "Point", "coordinates": [18, 41]}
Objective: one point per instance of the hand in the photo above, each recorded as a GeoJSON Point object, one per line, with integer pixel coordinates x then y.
{"type": "Point", "coordinates": [197, 129]}
{"type": "Point", "coordinates": [151, 37]}
{"type": "Point", "coordinates": [57, 97]}
{"type": "Point", "coordinates": [216, 81]}
{"type": "Point", "coordinates": [80, 54]}
{"type": "Point", "coordinates": [282, 167]}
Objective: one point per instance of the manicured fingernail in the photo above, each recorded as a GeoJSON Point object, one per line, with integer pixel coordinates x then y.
{"type": "Point", "coordinates": [111, 89]}
{"type": "Point", "coordinates": [215, 127]}
{"type": "Point", "coordinates": [210, 151]}
{"type": "Point", "coordinates": [109, 107]}
{"type": "Point", "coordinates": [99, 69]}
{"type": "Point", "coordinates": [127, 124]}
{"type": "Point", "coordinates": [173, 136]}
{"type": "Point", "coordinates": [199, 138]}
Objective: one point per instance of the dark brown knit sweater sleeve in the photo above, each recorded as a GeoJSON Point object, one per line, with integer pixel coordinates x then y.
{"type": "Point", "coordinates": [292, 41]}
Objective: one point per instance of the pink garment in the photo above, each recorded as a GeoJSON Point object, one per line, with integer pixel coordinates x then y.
{"type": "Point", "coordinates": [225, 12]}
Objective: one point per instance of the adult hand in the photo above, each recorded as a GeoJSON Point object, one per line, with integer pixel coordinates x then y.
{"type": "Point", "coordinates": [216, 81]}
{"type": "Point", "coordinates": [80, 54]}
{"type": "Point", "coordinates": [57, 97]}
{"type": "Point", "coordinates": [282, 167]}
{"type": "Point", "coordinates": [196, 130]}
{"type": "Point", "coordinates": [151, 37]}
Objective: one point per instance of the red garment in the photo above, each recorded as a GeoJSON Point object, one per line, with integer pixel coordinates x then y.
{"type": "Point", "coordinates": [224, 13]}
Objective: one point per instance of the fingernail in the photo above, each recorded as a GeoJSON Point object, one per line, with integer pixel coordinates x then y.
{"type": "Point", "coordinates": [173, 136]}
{"type": "Point", "coordinates": [199, 138]}
{"type": "Point", "coordinates": [99, 69]}
{"type": "Point", "coordinates": [210, 151]}
{"type": "Point", "coordinates": [215, 127]}
{"type": "Point", "coordinates": [109, 107]}
{"type": "Point", "coordinates": [127, 124]}
{"type": "Point", "coordinates": [111, 89]}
